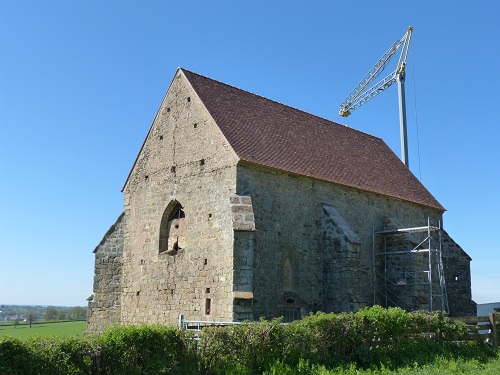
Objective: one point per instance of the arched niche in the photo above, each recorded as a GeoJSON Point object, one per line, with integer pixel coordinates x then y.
{"type": "Point", "coordinates": [172, 229]}
{"type": "Point", "coordinates": [290, 273]}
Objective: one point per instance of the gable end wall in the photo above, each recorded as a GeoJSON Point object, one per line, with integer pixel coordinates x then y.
{"type": "Point", "coordinates": [185, 159]}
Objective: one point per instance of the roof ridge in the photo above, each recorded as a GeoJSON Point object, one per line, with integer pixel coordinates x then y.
{"type": "Point", "coordinates": [277, 102]}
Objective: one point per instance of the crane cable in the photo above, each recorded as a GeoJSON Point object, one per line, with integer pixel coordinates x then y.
{"type": "Point", "coordinates": [416, 114]}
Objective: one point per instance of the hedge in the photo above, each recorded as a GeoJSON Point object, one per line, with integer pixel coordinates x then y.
{"type": "Point", "coordinates": [147, 349]}
{"type": "Point", "coordinates": [373, 337]}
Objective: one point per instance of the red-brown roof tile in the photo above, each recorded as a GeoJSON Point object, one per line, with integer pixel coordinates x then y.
{"type": "Point", "coordinates": [265, 132]}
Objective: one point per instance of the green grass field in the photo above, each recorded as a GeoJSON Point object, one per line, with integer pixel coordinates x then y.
{"type": "Point", "coordinates": [24, 331]}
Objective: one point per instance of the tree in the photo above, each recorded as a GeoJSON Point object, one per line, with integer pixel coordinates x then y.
{"type": "Point", "coordinates": [50, 314]}
{"type": "Point", "coordinates": [61, 315]}
{"type": "Point", "coordinates": [31, 317]}
{"type": "Point", "coordinates": [15, 323]}
{"type": "Point", "coordinates": [77, 313]}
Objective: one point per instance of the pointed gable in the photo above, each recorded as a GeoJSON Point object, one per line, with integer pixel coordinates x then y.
{"type": "Point", "coordinates": [182, 132]}
{"type": "Point", "coordinates": [270, 134]}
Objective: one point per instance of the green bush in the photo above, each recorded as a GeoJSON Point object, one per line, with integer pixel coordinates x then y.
{"type": "Point", "coordinates": [60, 355]}
{"type": "Point", "coordinates": [15, 357]}
{"type": "Point", "coordinates": [390, 338]}
{"type": "Point", "coordinates": [250, 346]}
{"type": "Point", "coordinates": [126, 350]}
{"type": "Point", "coordinates": [152, 349]}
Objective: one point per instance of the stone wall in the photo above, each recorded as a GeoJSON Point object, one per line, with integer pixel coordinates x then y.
{"type": "Point", "coordinates": [408, 274]}
{"type": "Point", "coordinates": [408, 266]}
{"type": "Point", "coordinates": [329, 252]}
{"type": "Point", "coordinates": [244, 247]}
{"type": "Point", "coordinates": [243, 257]}
{"type": "Point", "coordinates": [340, 251]}
{"type": "Point", "coordinates": [185, 160]}
{"type": "Point", "coordinates": [458, 278]}
{"type": "Point", "coordinates": [104, 305]}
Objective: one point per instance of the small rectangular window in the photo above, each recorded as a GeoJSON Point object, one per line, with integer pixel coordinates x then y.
{"type": "Point", "coordinates": [208, 303]}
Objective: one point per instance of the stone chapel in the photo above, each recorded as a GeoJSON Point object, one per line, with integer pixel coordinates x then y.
{"type": "Point", "coordinates": [238, 207]}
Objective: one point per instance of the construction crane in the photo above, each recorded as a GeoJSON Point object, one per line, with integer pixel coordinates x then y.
{"type": "Point", "coordinates": [362, 93]}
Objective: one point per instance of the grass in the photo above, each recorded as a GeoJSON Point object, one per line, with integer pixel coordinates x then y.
{"type": "Point", "coordinates": [62, 329]}
{"type": "Point", "coordinates": [440, 366]}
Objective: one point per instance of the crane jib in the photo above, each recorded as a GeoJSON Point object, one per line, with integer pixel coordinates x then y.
{"type": "Point", "coordinates": [379, 66]}
{"type": "Point", "coordinates": [362, 93]}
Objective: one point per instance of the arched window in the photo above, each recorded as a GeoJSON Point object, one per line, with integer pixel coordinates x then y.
{"type": "Point", "coordinates": [172, 229]}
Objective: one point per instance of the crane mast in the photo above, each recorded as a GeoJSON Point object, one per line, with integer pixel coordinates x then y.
{"type": "Point", "coordinates": [362, 93]}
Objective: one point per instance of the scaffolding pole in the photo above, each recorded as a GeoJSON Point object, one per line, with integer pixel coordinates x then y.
{"type": "Point", "coordinates": [393, 284]}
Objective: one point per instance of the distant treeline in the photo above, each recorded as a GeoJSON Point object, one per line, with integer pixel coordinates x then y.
{"type": "Point", "coordinates": [73, 313]}
{"type": "Point", "coordinates": [39, 313]}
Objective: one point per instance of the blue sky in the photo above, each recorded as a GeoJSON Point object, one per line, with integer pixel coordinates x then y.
{"type": "Point", "coordinates": [81, 81]}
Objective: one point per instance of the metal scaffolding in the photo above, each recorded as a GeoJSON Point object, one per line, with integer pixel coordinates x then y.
{"type": "Point", "coordinates": [410, 278]}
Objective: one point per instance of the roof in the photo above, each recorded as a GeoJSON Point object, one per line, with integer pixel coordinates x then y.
{"type": "Point", "coordinates": [270, 134]}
